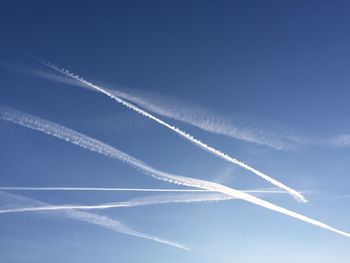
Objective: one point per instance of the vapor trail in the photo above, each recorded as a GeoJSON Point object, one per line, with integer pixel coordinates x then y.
{"type": "Point", "coordinates": [86, 142]}
{"type": "Point", "coordinates": [204, 119]}
{"type": "Point", "coordinates": [180, 132]}
{"type": "Point", "coordinates": [16, 188]}
{"type": "Point", "coordinates": [143, 201]}
{"type": "Point", "coordinates": [20, 188]}
{"type": "Point", "coordinates": [153, 200]}
{"type": "Point", "coordinates": [186, 112]}
{"type": "Point", "coordinates": [87, 217]}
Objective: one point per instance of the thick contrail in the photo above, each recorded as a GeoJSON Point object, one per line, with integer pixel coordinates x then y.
{"type": "Point", "coordinates": [182, 133]}
{"type": "Point", "coordinates": [91, 218]}
{"type": "Point", "coordinates": [24, 188]}
{"type": "Point", "coordinates": [86, 142]}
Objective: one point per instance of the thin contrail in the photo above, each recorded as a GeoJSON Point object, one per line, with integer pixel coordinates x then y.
{"type": "Point", "coordinates": [180, 132]}
{"type": "Point", "coordinates": [153, 200]}
{"type": "Point", "coordinates": [143, 201]}
{"type": "Point", "coordinates": [86, 142]}
{"type": "Point", "coordinates": [87, 217]}
{"type": "Point", "coordinates": [24, 188]}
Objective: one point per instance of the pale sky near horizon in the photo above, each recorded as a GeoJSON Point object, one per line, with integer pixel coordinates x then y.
{"type": "Point", "coordinates": [279, 68]}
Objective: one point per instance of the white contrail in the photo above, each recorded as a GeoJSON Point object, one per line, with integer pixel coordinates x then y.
{"type": "Point", "coordinates": [186, 112]}
{"type": "Point", "coordinates": [205, 119]}
{"type": "Point", "coordinates": [153, 200]}
{"type": "Point", "coordinates": [86, 142]}
{"type": "Point", "coordinates": [24, 188]}
{"type": "Point", "coordinates": [143, 201]}
{"type": "Point", "coordinates": [182, 133]}
{"type": "Point", "coordinates": [91, 218]}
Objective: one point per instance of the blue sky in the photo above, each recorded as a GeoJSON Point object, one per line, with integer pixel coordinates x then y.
{"type": "Point", "coordinates": [279, 69]}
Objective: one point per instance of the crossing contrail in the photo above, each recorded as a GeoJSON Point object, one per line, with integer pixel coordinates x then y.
{"type": "Point", "coordinates": [144, 201]}
{"type": "Point", "coordinates": [103, 221]}
{"type": "Point", "coordinates": [185, 112]}
{"type": "Point", "coordinates": [86, 142]}
{"type": "Point", "coordinates": [206, 119]}
{"type": "Point", "coordinates": [24, 188]}
{"type": "Point", "coordinates": [180, 132]}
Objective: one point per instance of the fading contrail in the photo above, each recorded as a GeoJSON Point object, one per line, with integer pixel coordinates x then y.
{"type": "Point", "coordinates": [205, 119]}
{"type": "Point", "coordinates": [87, 217]}
{"type": "Point", "coordinates": [86, 142]}
{"type": "Point", "coordinates": [180, 132]}
{"type": "Point", "coordinates": [24, 188]}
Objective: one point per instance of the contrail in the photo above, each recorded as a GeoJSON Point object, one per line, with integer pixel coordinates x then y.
{"type": "Point", "coordinates": [86, 142]}
{"type": "Point", "coordinates": [23, 188]}
{"type": "Point", "coordinates": [20, 188]}
{"type": "Point", "coordinates": [188, 113]}
{"type": "Point", "coordinates": [143, 201]}
{"type": "Point", "coordinates": [153, 200]}
{"type": "Point", "coordinates": [87, 217]}
{"type": "Point", "coordinates": [204, 119]}
{"type": "Point", "coordinates": [182, 133]}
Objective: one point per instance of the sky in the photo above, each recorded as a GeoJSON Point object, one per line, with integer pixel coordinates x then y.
{"type": "Point", "coordinates": [265, 82]}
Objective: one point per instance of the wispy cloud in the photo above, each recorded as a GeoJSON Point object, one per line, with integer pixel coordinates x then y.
{"type": "Point", "coordinates": [182, 133]}
{"type": "Point", "coordinates": [86, 142]}
{"type": "Point", "coordinates": [18, 201]}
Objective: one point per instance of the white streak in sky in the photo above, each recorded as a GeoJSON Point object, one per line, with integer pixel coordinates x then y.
{"type": "Point", "coordinates": [183, 134]}
{"type": "Point", "coordinates": [207, 120]}
{"type": "Point", "coordinates": [41, 74]}
{"type": "Point", "coordinates": [103, 221]}
{"type": "Point", "coordinates": [144, 201]}
{"type": "Point", "coordinates": [86, 142]}
{"type": "Point", "coordinates": [24, 188]}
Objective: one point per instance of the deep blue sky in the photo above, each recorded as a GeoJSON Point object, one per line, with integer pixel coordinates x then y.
{"type": "Point", "coordinates": [282, 63]}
